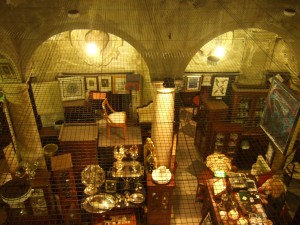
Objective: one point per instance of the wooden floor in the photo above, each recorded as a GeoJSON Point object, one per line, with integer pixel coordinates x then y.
{"type": "Point", "coordinates": [133, 136]}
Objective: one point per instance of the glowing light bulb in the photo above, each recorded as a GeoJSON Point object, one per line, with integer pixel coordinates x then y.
{"type": "Point", "coordinates": [219, 52]}
{"type": "Point", "coordinates": [91, 48]}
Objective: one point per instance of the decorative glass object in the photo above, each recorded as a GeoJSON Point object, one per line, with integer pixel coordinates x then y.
{"type": "Point", "coordinates": [134, 153]}
{"type": "Point", "coordinates": [119, 154]}
{"type": "Point", "coordinates": [93, 176]}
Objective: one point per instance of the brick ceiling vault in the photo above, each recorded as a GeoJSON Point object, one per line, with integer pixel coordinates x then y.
{"type": "Point", "coordinates": [166, 33]}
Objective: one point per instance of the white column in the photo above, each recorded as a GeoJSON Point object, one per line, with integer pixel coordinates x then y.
{"type": "Point", "coordinates": [162, 127]}
{"type": "Point", "coordinates": [27, 140]}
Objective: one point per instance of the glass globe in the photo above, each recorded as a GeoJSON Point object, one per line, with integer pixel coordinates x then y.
{"type": "Point", "coordinates": [93, 176]}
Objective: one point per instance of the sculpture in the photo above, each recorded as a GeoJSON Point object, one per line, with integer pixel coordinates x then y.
{"type": "Point", "coordinates": [150, 159]}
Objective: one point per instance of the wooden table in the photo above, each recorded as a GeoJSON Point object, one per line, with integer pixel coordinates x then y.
{"type": "Point", "coordinates": [214, 207]}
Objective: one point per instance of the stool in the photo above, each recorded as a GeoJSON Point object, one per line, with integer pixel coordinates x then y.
{"type": "Point", "coordinates": [201, 187]}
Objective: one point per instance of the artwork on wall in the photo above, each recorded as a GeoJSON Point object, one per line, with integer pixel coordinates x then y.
{"type": "Point", "coordinates": [206, 81]}
{"type": "Point", "coordinates": [133, 82]}
{"type": "Point", "coordinates": [91, 83]}
{"type": "Point", "coordinates": [119, 84]}
{"type": "Point", "coordinates": [6, 72]}
{"type": "Point", "coordinates": [280, 115]}
{"type": "Point", "coordinates": [104, 83]}
{"type": "Point", "coordinates": [192, 82]}
{"type": "Point", "coordinates": [220, 85]}
{"type": "Point", "coordinates": [71, 88]}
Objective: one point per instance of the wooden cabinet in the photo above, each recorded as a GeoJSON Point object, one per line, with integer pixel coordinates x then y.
{"type": "Point", "coordinates": [210, 110]}
{"type": "Point", "coordinates": [247, 105]}
{"type": "Point", "coordinates": [78, 111]}
{"type": "Point", "coordinates": [65, 189]}
{"type": "Point", "coordinates": [224, 137]}
{"type": "Point", "coordinates": [40, 200]}
{"type": "Point", "coordinates": [81, 140]}
{"type": "Point", "coordinates": [159, 201]}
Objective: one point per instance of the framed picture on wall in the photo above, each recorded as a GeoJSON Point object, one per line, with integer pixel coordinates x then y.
{"type": "Point", "coordinates": [104, 83]}
{"type": "Point", "coordinates": [91, 83]}
{"type": "Point", "coordinates": [220, 85]}
{"type": "Point", "coordinates": [6, 72]}
{"type": "Point", "coordinates": [119, 84]}
{"type": "Point", "coordinates": [71, 88]}
{"type": "Point", "coordinates": [192, 82]}
{"type": "Point", "coordinates": [280, 115]}
{"type": "Point", "coordinates": [206, 81]}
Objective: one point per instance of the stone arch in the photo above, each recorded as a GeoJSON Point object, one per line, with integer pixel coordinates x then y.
{"type": "Point", "coordinates": [29, 46]}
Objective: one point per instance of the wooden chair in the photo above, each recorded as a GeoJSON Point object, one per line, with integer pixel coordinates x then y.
{"type": "Point", "coordinates": [113, 118]}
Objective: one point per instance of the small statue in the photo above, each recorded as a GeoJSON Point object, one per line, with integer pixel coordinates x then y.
{"type": "Point", "coordinates": [150, 159]}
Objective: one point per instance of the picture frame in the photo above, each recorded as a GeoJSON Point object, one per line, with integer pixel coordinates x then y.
{"type": "Point", "coordinates": [71, 88]}
{"type": "Point", "coordinates": [192, 82]}
{"type": "Point", "coordinates": [104, 82]}
{"type": "Point", "coordinates": [91, 83]}
{"type": "Point", "coordinates": [7, 72]}
{"type": "Point", "coordinates": [280, 115]}
{"type": "Point", "coordinates": [119, 84]}
{"type": "Point", "coordinates": [270, 153]}
{"type": "Point", "coordinates": [220, 86]}
{"type": "Point", "coordinates": [206, 81]}
{"type": "Point", "coordinates": [111, 186]}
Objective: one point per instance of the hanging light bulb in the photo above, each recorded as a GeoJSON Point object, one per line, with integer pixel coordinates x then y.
{"type": "Point", "coordinates": [219, 52]}
{"type": "Point", "coordinates": [91, 49]}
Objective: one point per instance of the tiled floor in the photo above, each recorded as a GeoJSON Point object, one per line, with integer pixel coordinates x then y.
{"type": "Point", "coordinates": [185, 209]}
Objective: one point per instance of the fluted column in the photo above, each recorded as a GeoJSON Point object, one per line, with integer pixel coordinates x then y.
{"type": "Point", "coordinates": [162, 127]}
{"type": "Point", "coordinates": [28, 144]}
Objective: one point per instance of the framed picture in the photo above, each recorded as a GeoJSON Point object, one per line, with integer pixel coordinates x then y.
{"type": "Point", "coordinates": [71, 88]}
{"type": "Point", "coordinates": [270, 153]}
{"type": "Point", "coordinates": [220, 85]}
{"type": "Point", "coordinates": [91, 83]}
{"type": "Point", "coordinates": [6, 72]}
{"type": "Point", "coordinates": [104, 83]}
{"type": "Point", "coordinates": [110, 186]}
{"type": "Point", "coordinates": [119, 84]}
{"type": "Point", "coordinates": [206, 81]}
{"type": "Point", "coordinates": [193, 82]}
{"type": "Point", "coordinates": [280, 115]}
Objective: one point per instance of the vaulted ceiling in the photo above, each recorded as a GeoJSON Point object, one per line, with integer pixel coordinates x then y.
{"type": "Point", "coordinates": [167, 33]}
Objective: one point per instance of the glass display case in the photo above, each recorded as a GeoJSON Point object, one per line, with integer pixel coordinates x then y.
{"type": "Point", "coordinates": [225, 138]}
{"type": "Point", "coordinates": [247, 105]}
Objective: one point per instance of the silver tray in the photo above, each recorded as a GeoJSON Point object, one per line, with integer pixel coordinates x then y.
{"type": "Point", "coordinates": [99, 203]}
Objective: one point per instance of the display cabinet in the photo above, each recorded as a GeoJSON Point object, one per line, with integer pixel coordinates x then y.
{"type": "Point", "coordinates": [40, 200]}
{"type": "Point", "coordinates": [159, 201]}
{"type": "Point", "coordinates": [247, 105]}
{"type": "Point", "coordinates": [224, 137]}
{"type": "Point", "coordinates": [65, 189]}
{"type": "Point", "coordinates": [209, 110]}
{"type": "Point", "coordinates": [81, 140]}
